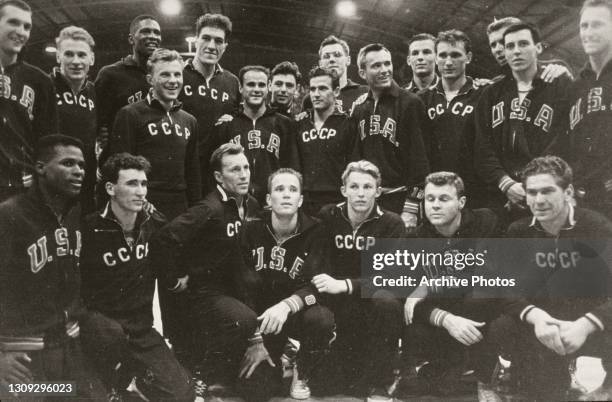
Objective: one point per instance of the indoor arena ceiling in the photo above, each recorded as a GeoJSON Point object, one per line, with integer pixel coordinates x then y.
{"type": "Point", "coordinates": [269, 31]}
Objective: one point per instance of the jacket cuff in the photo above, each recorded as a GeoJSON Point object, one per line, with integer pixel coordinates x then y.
{"type": "Point", "coordinates": [591, 317]}
{"type": "Point", "coordinates": [505, 183]}
{"type": "Point", "coordinates": [437, 316]}
{"type": "Point", "coordinates": [295, 303]}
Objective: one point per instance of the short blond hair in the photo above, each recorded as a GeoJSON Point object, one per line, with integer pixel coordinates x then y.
{"type": "Point", "coordinates": [362, 166]}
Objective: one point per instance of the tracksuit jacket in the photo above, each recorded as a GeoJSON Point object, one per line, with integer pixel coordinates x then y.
{"type": "Point", "coordinates": [118, 279]}
{"type": "Point", "coordinates": [276, 267]}
{"type": "Point", "coordinates": [204, 242]}
{"type": "Point", "coordinates": [590, 132]}
{"type": "Point", "coordinates": [267, 144]}
{"type": "Point", "coordinates": [475, 224]}
{"type": "Point", "coordinates": [567, 276]}
{"type": "Point", "coordinates": [168, 139]}
{"type": "Point", "coordinates": [27, 112]}
{"type": "Point", "coordinates": [344, 102]}
{"type": "Point", "coordinates": [509, 134]}
{"type": "Point", "coordinates": [339, 247]}
{"type": "Point", "coordinates": [322, 155]}
{"type": "Point", "coordinates": [39, 266]}
{"type": "Point", "coordinates": [391, 135]}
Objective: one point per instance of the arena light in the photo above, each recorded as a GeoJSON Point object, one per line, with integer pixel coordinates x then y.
{"type": "Point", "coordinates": [346, 9]}
{"type": "Point", "coordinates": [50, 49]}
{"type": "Point", "coordinates": [170, 7]}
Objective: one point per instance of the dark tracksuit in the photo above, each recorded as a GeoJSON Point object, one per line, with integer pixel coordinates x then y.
{"type": "Point", "coordinates": [412, 87]}
{"type": "Point", "coordinates": [267, 144]}
{"type": "Point", "coordinates": [567, 289]}
{"type": "Point", "coordinates": [321, 157]}
{"type": "Point", "coordinates": [168, 139]}
{"type": "Point", "coordinates": [590, 137]}
{"type": "Point", "coordinates": [208, 100]}
{"type": "Point", "coordinates": [40, 289]}
{"type": "Point", "coordinates": [391, 136]}
{"type": "Point", "coordinates": [275, 275]}
{"type": "Point", "coordinates": [509, 134]}
{"type": "Point", "coordinates": [204, 242]}
{"type": "Point", "coordinates": [344, 102]}
{"type": "Point", "coordinates": [368, 329]}
{"type": "Point", "coordinates": [435, 344]}
{"type": "Point", "coordinates": [27, 112]}
{"type": "Point", "coordinates": [452, 136]}
{"type": "Point", "coordinates": [118, 287]}
{"type": "Point", "coordinates": [77, 117]}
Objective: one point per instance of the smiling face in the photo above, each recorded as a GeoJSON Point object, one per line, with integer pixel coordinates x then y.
{"type": "Point", "coordinates": [596, 31]}
{"type": "Point", "coordinates": [285, 195]}
{"type": "Point", "coordinates": [254, 89]}
{"type": "Point", "coordinates": [422, 57]}
{"type": "Point", "coordinates": [63, 173]}
{"type": "Point", "coordinates": [130, 191]}
{"type": "Point", "coordinates": [166, 80]}
{"type": "Point", "coordinates": [75, 57]}
{"type": "Point", "coordinates": [548, 201]}
{"type": "Point", "coordinates": [210, 45]}
{"type": "Point", "coordinates": [15, 27]}
{"type": "Point", "coordinates": [377, 70]}
{"type": "Point", "coordinates": [442, 205]}
{"type": "Point", "coordinates": [452, 59]}
{"type": "Point", "coordinates": [282, 89]}
{"type": "Point", "coordinates": [146, 37]}
{"type": "Point", "coordinates": [521, 51]}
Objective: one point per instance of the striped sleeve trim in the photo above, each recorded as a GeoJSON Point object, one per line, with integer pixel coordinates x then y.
{"type": "Point", "coordinates": [526, 311]}
{"type": "Point", "coordinates": [437, 316]}
{"type": "Point", "coordinates": [349, 286]}
{"type": "Point", "coordinates": [591, 317]}
{"type": "Point", "coordinates": [505, 183]}
{"type": "Point", "coordinates": [411, 207]}
{"type": "Point", "coordinates": [295, 303]}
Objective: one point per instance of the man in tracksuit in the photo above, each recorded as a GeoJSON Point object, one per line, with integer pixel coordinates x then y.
{"type": "Point", "coordinates": [27, 101]}
{"type": "Point", "coordinates": [275, 248]}
{"type": "Point", "coordinates": [443, 322]}
{"type": "Point", "coordinates": [564, 308]}
{"type": "Point", "coordinates": [368, 329]}
{"type": "Point", "coordinates": [265, 135]}
{"type": "Point", "coordinates": [422, 61]}
{"type": "Point", "coordinates": [124, 81]}
{"type": "Point", "coordinates": [76, 100]}
{"type": "Point", "coordinates": [390, 123]}
{"type": "Point", "coordinates": [285, 81]}
{"type": "Point", "coordinates": [209, 91]}
{"type": "Point", "coordinates": [118, 286]}
{"type": "Point", "coordinates": [450, 106]}
{"type": "Point", "coordinates": [39, 275]}
{"type": "Point", "coordinates": [203, 243]}
{"type": "Point", "coordinates": [158, 129]}
{"type": "Point", "coordinates": [324, 143]}
{"type": "Point", "coordinates": [517, 119]}
{"type": "Point", "coordinates": [591, 111]}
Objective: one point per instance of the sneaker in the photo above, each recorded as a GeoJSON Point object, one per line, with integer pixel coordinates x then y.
{"type": "Point", "coordinates": [379, 395]}
{"type": "Point", "coordinates": [289, 357]}
{"type": "Point", "coordinates": [200, 388]}
{"type": "Point", "coordinates": [576, 389]}
{"type": "Point", "coordinates": [299, 386]}
{"type": "Point", "coordinates": [486, 393]}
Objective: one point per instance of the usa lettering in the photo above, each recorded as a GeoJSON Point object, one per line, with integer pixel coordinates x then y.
{"type": "Point", "coordinates": [314, 134]}
{"type": "Point", "coordinates": [123, 254]}
{"type": "Point", "coordinates": [376, 127]}
{"type": "Point", "coordinates": [27, 95]}
{"type": "Point", "coordinates": [255, 140]}
{"type": "Point", "coordinates": [349, 242]}
{"type": "Point", "coordinates": [69, 98]}
{"type": "Point", "coordinates": [593, 103]}
{"type": "Point", "coordinates": [39, 250]}
{"type": "Point", "coordinates": [276, 261]}
{"type": "Point", "coordinates": [205, 92]}
{"type": "Point", "coordinates": [458, 109]}
{"type": "Point", "coordinates": [518, 111]}
{"type": "Point", "coordinates": [168, 128]}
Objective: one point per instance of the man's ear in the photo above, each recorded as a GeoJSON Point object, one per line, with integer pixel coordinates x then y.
{"type": "Point", "coordinates": [110, 188]}
{"type": "Point", "coordinates": [569, 192]}
{"type": "Point", "coordinates": [40, 168]}
{"type": "Point", "coordinates": [378, 191]}
{"type": "Point", "coordinates": [539, 48]}
{"type": "Point", "coordinates": [348, 61]}
{"type": "Point", "coordinates": [131, 39]}
{"type": "Point", "coordinates": [218, 176]}
{"type": "Point", "coordinates": [469, 56]}
{"type": "Point", "coordinates": [337, 91]}
{"type": "Point", "coordinates": [462, 201]}
{"type": "Point", "coordinates": [362, 74]}
{"type": "Point", "coordinates": [149, 78]}
{"type": "Point", "coordinates": [301, 200]}
{"type": "Point", "coordinates": [268, 200]}
{"type": "Point", "coordinates": [343, 191]}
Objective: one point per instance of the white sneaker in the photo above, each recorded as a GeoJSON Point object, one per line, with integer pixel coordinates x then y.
{"type": "Point", "coordinates": [299, 387]}
{"type": "Point", "coordinates": [486, 393]}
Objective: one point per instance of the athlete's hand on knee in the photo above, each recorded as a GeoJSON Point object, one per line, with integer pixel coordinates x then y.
{"type": "Point", "coordinates": [273, 319]}
{"type": "Point", "coordinates": [14, 368]}
{"type": "Point", "coordinates": [462, 329]}
{"type": "Point", "coordinates": [575, 333]}
{"type": "Point", "coordinates": [254, 355]}
{"type": "Point", "coordinates": [326, 284]}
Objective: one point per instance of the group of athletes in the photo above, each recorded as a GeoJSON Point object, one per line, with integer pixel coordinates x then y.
{"type": "Point", "coordinates": [250, 207]}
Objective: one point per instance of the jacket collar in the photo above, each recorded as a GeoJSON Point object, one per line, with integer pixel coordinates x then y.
{"type": "Point", "coordinates": [467, 87]}
{"type": "Point", "coordinates": [304, 223]}
{"type": "Point", "coordinates": [376, 213]}
{"type": "Point", "coordinates": [35, 194]}
{"type": "Point", "coordinates": [412, 85]}
{"type": "Point", "coordinates": [189, 65]}
{"type": "Point", "coordinates": [153, 102]}
{"type": "Point", "coordinates": [393, 90]}
{"type": "Point", "coordinates": [108, 214]}
{"type": "Point", "coordinates": [59, 78]}
{"type": "Point", "coordinates": [350, 84]}
{"type": "Point", "coordinates": [588, 73]}
{"type": "Point", "coordinates": [467, 220]}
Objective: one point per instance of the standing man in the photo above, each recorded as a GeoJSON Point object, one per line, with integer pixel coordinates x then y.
{"type": "Point", "coordinates": [334, 54]}
{"type": "Point", "coordinates": [118, 286]}
{"type": "Point", "coordinates": [27, 101]}
{"type": "Point", "coordinates": [266, 135]}
{"type": "Point", "coordinates": [422, 60]}
{"type": "Point", "coordinates": [518, 118]}
{"type": "Point", "coordinates": [76, 100]}
{"type": "Point", "coordinates": [450, 106]}
{"type": "Point", "coordinates": [284, 86]}
{"type": "Point", "coordinates": [390, 124]}
{"type": "Point", "coordinates": [157, 128]}
{"type": "Point", "coordinates": [199, 253]}
{"type": "Point", "coordinates": [591, 110]}
{"type": "Point", "coordinates": [324, 143]}
{"type": "Point", "coordinates": [209, 91]}
{"type": "Point", "coordinates": [39, 274]}
{"type": "Point", "coordinates": [125, 81]}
